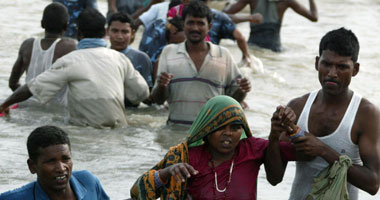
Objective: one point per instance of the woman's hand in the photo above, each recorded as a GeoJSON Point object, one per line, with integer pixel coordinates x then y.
{"type": "Point", "coordinates": [282, 121]}
{"type": "Point", "coordinates": [180, 171]}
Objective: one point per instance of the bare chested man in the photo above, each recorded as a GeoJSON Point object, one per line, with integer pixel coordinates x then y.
{"type": "Point", "coordinates": [339, 120]}
{"type": "Point", "coordinates": [267, 34]}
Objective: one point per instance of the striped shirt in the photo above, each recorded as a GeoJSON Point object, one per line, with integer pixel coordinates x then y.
{"type": "Point", "coordinates": [190, 89]}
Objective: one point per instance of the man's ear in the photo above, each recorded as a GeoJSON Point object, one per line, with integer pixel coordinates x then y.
{"type": "Point", "coordinates": [316, 62]}
{"type": "Point", "coordinates": [79, 35]}
{"type": "Point", "coordinates": [356, 69]}
{"type": "Point", "coordinates": [32, 166]}
{"type": "Point", "coordinates": [105, 33]}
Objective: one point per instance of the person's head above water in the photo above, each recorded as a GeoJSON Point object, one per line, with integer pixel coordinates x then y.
{"type": "Point", "coordinates": [120, 30]}
{"type": "Point", "coordinates": [197, 9]}
{"type": "Point", "coordinates": [219, 113]}
{"type": "Point", "coordinates": [91, 24]}
{"type": "Point", "coordinates": [50, 158]}
{"type": "Point", "coordinates": [55, 18]}
{"type": "Point", "coordinates": [341, 41]}
{"type": "Point", "coordinates": [337, 62]}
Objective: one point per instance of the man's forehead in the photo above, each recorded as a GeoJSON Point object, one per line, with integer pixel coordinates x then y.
{"type": "Point", "coordinates": [123, 24]}
{"type": "Point", "coordinates": [191, 17]}
{"type": "Point", "coordinates": [54, 150]}
{"type": "Point", "coordinates": [332, 56]}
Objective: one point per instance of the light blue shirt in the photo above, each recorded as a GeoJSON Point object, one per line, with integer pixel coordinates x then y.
{"type": "Point", "coordinates": [85, 185]}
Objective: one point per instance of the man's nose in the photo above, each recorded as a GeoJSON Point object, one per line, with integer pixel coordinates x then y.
{"type": "Point", "coordinates": [332, 71]}
{"type": "Point", "coordinates": [60, 166]}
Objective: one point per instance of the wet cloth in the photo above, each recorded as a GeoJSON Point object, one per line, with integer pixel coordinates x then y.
{"type": "Point", "coordinates": [141, 62]}
{"type": "Point", "coordinates": [222, 27]}
{"type": "Point", "coordinates": [75, 7]}
{"type": "Point", "coordinates": [40, 61]}
{"type": "Point", "coordinates": [266, 34]}
{"type": "Point", "coordinates": [91, 43]}
{"type": "Point", "coordinates": [331, 183]}
{"type": "Point", "coordinates": [190, 89]}
{"type": "Point", "coordinates": [98, 80]}
{"type": "Point", "coordinates": [216, 113]}
{"type": "Point", "coordinates": [84, 184]}
{"type": "Point", "coordinates": [154, 37]}
{"type": "Point", "coordinates": [339, 140]}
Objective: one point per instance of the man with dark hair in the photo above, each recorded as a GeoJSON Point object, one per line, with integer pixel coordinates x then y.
{"type": "Point", "coordinates": [120, 31]}
{"type": "Point", "coordinates": [194, 71]}
{"type": "Point", "coordinates": [75, 7]}
{"type": "Point", "coordinates": [338, 121]}
{"type": "Point", "coordinates": [50, 158]}
{"type": "Point", "coordinates": [267, 34]}
{"type": "Point", "coordinates": [36, 55]}
{"type": "Point", "coordinates": [98, 79]}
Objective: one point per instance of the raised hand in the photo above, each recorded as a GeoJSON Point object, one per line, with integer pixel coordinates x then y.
{"type": "Point", "coordinates": [180, 171]}
{"type": "Point", "coordinates": [164, 79]}
{"type": "Point", "coordinates": [244, 85]}
{"type": "Point", "coordinates": [282, 121]}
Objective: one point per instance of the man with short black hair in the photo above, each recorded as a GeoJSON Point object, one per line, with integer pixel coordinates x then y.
{"type": "Point", "coordinates": [98, 79]}
{"type": "Point", "coordinates": [121, 31]}
{"type": "Point", "coordinates": [194, 71]}
{"type": "Point", "coordinates": [49, 152]}
{"type": "Point", "coordinates": [36, 55]}
{"type": "Point", "coordinates": [339, 121]}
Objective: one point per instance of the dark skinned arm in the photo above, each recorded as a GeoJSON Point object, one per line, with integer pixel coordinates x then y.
{"type": "Point", "coordinates": [140, 11]}
{"type": "Point", "coordinates": [274, 164]}
{"type": "Point", "coordinates": [366, 177]}
{"type": "Point", "coordinates": [21, 64]}
{"type": "Point", "coordinates": [160, 92]}
{"type": "Point", "coordinates": [236, 7]}
{"type": "Point", "coordinates": [21, 94]}
{"type": "Point", "coordinates": [311, 14]}
{"type": "Point", "coordinates": [244, 88]}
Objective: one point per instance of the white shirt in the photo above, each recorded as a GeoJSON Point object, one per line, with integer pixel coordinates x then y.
{"type": "Point", "coordinates": [97, 80]}
{"type": "Point", "coordinates": [157, 11]}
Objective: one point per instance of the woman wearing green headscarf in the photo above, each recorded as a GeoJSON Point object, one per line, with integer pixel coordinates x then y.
{"type": "Point", "coordinates": [220, 159]}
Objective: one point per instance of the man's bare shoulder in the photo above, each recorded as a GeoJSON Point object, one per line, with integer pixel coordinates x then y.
{"type": "Point", "coordinates": [27, 45]}
{"type": "Point", "coordinates": [65, 46]}
{"type": "Point", "coordinates": [368, 111]}
{"type": "Point", "coordinates": [298, 103]}
{"type": "Point", "coordinates": [67, 42]}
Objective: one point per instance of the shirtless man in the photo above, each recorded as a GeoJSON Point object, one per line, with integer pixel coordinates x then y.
{"type": "Point", "coordinates": [267, 34]}
{"type": "Point", "coordinates": [46, 50]}
{"type": "Point", "coordinates": [194, 71]}
{"type": "Point", "coordinates": [339, 121]}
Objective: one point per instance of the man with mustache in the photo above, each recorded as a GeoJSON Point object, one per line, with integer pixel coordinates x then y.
{"type": "Point", "coordinates": [194, 71]}
{"type": "Point", "coordinates": [49, 153]}
{"type": "Point", "coordinates": [338, 121]}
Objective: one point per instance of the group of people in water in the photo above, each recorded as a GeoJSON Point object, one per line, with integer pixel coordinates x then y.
{"type": "Point", "coordinates": [332, 133]}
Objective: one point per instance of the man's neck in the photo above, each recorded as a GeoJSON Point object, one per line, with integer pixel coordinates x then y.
{"type": "Point", "coordinates": [52, 35]}
{"type": "Point", "coordinates": [196, 47]}
{"type": "Point", "coordinates": [336, 99]}
{"type": "Point", "coordinates": [67, 193]}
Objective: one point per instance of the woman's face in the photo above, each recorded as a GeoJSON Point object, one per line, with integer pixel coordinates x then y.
{"type": "Point", "coordinates": [225, 139]}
